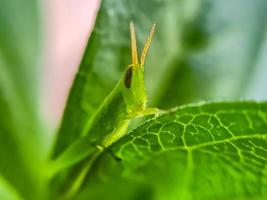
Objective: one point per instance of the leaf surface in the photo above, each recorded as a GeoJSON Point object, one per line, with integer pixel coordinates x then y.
{"type": "Point", "coordinates": [206, 151]}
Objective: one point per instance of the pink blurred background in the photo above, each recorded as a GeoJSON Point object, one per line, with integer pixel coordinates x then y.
{"type": "Point", "coordinates": [68, 24]}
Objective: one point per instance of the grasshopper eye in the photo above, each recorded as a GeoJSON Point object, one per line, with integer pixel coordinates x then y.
{"type": "Point", "coordinates": [128, 77]}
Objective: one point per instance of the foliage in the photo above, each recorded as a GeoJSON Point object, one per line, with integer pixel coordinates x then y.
{"type": "Point", "coordinates": [203, 50]}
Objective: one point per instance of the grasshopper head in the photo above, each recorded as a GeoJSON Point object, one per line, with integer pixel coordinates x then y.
{"type": "Point", "coordinates": [133, 88]}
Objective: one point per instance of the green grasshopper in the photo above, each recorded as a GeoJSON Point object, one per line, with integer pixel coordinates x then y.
{"type": "Point", "coordinates": [126, 101]}
{"type": "Point", "coordinates": [110, 122]}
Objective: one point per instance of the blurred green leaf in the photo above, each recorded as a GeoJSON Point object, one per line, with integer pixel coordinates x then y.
{"type": "Point", "coordinates": [7, 192]}
{"type": "Point", "coordinates": [20, 133]}
{"type": "Point", "coordinates": [205, 151]}
{"type": "Point", "coordinates": [202, 50]}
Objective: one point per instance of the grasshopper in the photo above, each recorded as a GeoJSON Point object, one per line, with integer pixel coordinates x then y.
{"type": "Point", "coordinates": [127, 101]}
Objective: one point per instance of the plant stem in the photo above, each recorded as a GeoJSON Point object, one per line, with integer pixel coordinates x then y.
{"type": "Point", "coordinates": [79, 180]}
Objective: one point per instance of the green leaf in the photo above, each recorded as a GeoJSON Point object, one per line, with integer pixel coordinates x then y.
{"type": "Point", "coordinates": [79, 150]}
{"type": "Point", "coordinates": [207, 55]}
{"type": "Point", "coordinates": [21, 149]}
{"type": "Point", "coordinates": [7, 192]}
{"type": "Point", "coordinates": [204, 151]}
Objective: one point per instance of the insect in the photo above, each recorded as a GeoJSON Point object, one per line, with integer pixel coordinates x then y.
{"type": "Point", "coordinates": [127, 101]}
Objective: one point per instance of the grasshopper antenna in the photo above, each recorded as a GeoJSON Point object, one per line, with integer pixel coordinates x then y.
{"type": "Point", "coordinates": [147, 44]}
{"type": "Point", "coordinates": [134, 46]}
